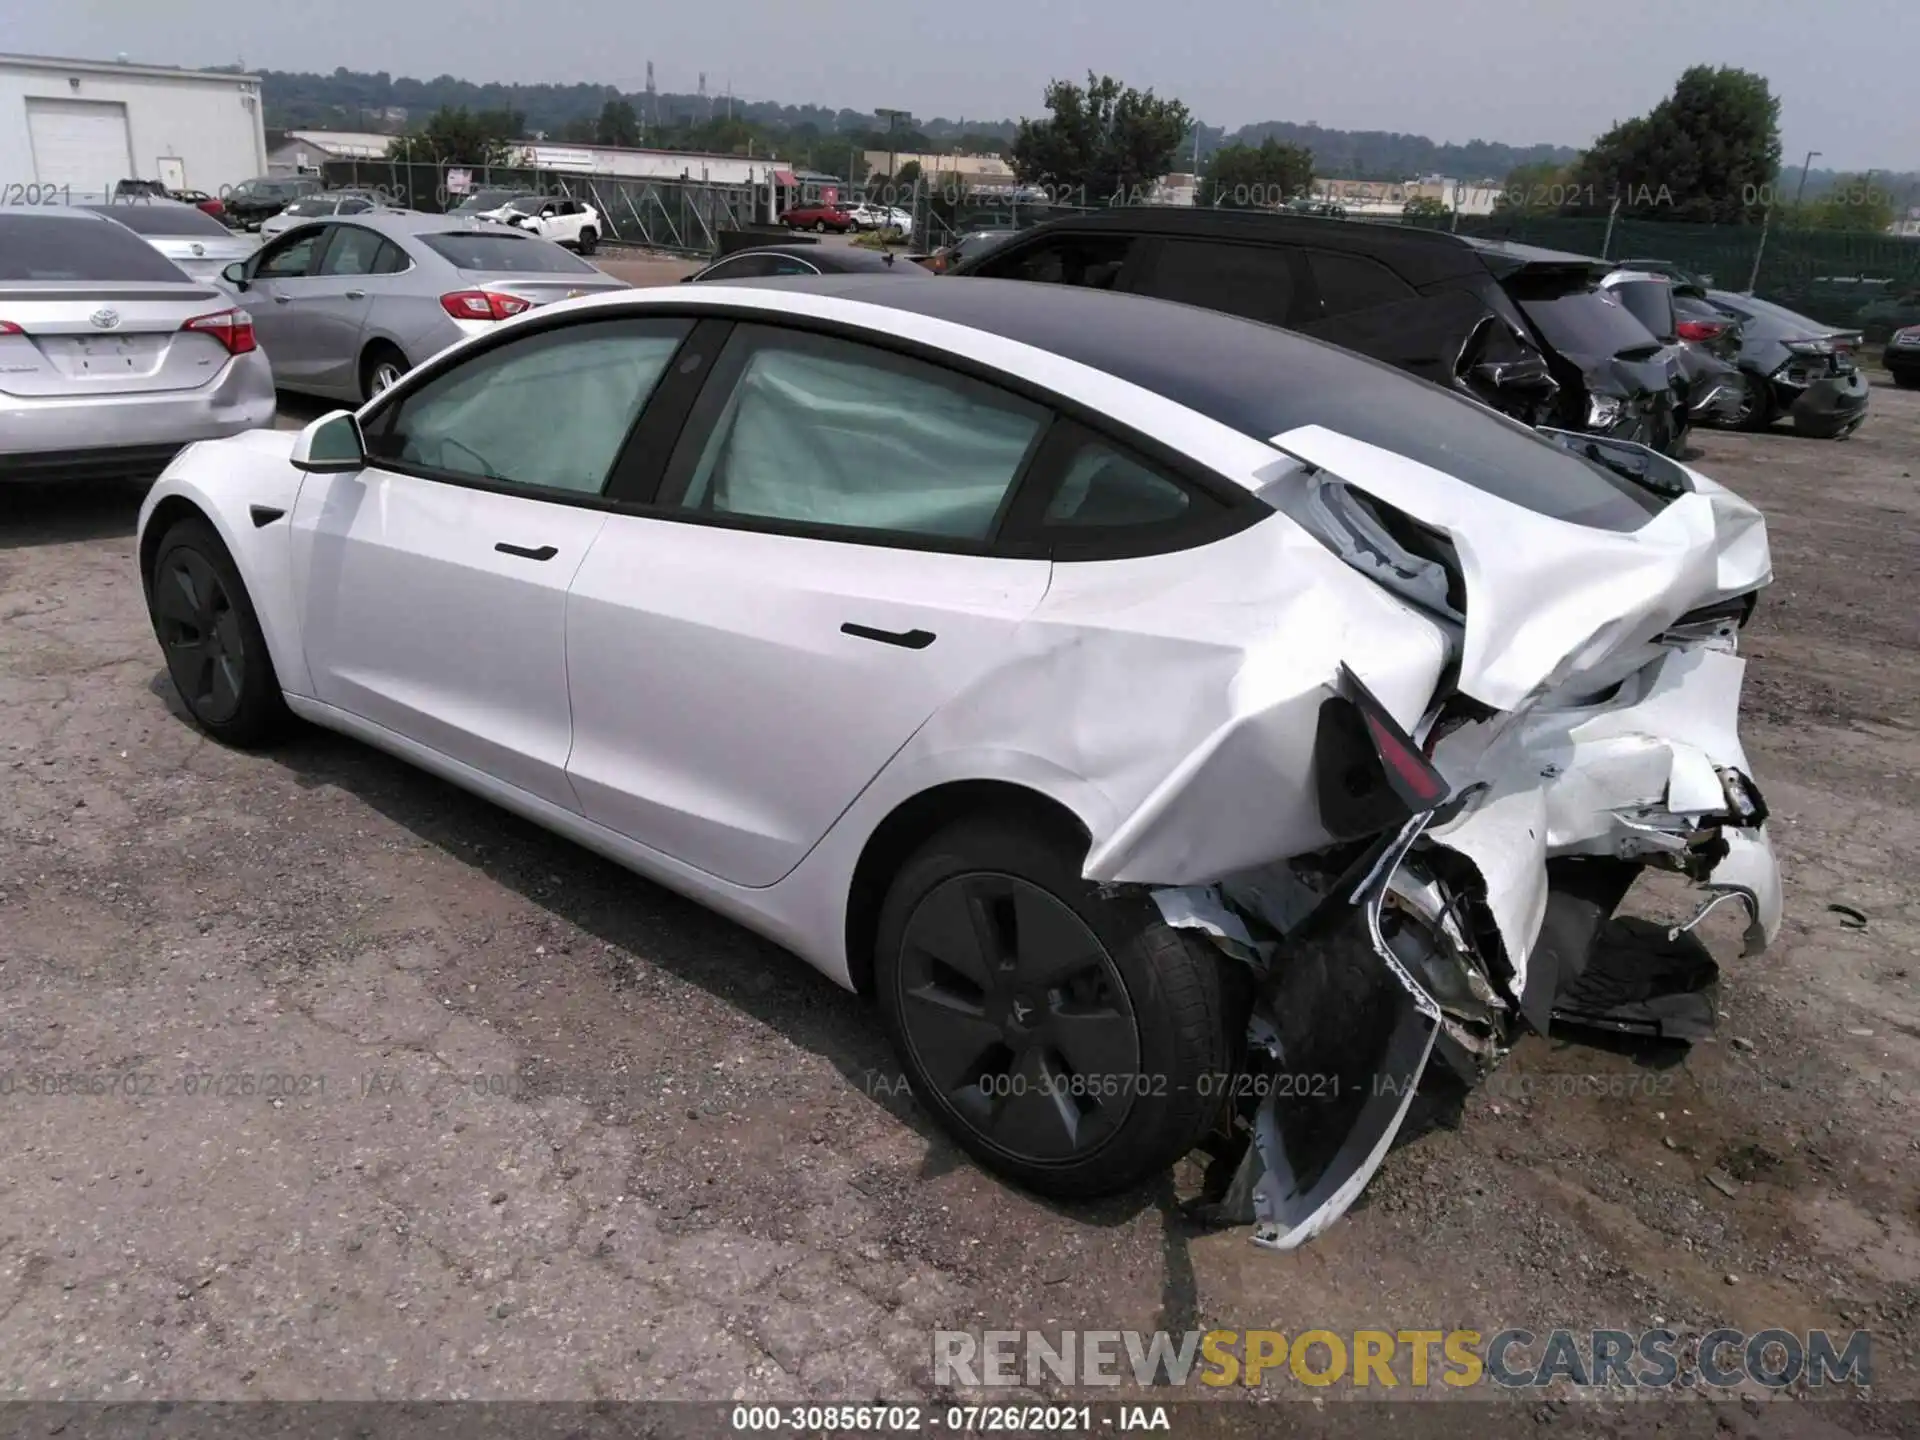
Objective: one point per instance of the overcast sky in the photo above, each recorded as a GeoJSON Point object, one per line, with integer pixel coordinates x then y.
{"type": "Point", "coordinates": [1454, 70]}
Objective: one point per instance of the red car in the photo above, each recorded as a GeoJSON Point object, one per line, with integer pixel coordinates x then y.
{"type": "Point", "coordinates": [206, 202]}
{"type": "Point", "coordinates": [818, 217]}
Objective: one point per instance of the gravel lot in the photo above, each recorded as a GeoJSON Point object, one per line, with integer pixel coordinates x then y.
{"type": "Point", "coordinates": [564, 1136]}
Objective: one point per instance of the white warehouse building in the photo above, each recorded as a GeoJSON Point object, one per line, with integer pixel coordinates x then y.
{"type": "Point", "coordinates": [86, 125]}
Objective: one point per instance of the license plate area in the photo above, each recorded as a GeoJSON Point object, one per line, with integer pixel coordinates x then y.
{"type": "Point", "coordinates": [106, 357]}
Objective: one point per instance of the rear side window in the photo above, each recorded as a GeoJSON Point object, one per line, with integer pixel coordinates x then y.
{"type": "Point", "coordinates": [523, 254]}
{"type": "Point", "coordinates": [817, 431]}
{"type": "Point", "coordinates": [77, 247]}
{"type": "Point", "coordinates": [1103, 487]}
{"type": "Point", "coordinates": [1093, 261]}
{"type": "Point", "coordinates": [151, 219]}
{"type": "Point", "coordinates": [1254, 281]}
{"type": "Point", "coordinates": [1650, 302]}
{"type": "Point", "coordinates": [1345, 283]}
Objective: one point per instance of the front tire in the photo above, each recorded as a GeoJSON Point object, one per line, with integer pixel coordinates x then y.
{"type": "Point", "coordinates": [207, 629]}
{"type": "Point", "coordinates": [819, 227]}
{"type": "Point", "coordinates": [587, 241]}
{"type": "Point", "coordinates": [1074, 1043]}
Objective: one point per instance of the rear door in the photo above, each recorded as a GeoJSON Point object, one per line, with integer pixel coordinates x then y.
{"type": "Point", "coordinates": [333, 311]}
{"type": "Point", "coordinates": [816, 575]}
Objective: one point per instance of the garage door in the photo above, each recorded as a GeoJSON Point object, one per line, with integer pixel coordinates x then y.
{"type": "Point", "coordinates": [79, 143]}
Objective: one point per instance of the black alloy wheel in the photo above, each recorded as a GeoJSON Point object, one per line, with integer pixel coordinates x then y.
{"type": "Point", "coordinates": [1068, 1039]}
{"type": "Point", "coordinates": [1011, 1005]}
{"type": "Point", "coordinates": [215, 652]}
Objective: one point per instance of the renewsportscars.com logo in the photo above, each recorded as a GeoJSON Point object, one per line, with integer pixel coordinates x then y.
{"type": "Point", "coordinates": [1390, 1359]}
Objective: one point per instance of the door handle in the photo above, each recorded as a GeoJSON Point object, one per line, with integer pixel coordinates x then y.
{"type": "Point", "coordinates": [356, 294]}
{"type": "Point", "coordinates": [545, 552]}
{"type": "Point", "coordinates": [905, 639]}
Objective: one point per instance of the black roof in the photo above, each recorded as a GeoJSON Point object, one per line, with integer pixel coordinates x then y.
{"type": "Point", "coordinates": [1257, 378]}
{"type": "Point", "coordinates": [1422, 256]}
{"type": "Point", "coordinates": [837, 259]}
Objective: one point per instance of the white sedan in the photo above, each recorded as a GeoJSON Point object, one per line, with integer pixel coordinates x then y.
{"type": "Point", "coordinates": [1160, 715]}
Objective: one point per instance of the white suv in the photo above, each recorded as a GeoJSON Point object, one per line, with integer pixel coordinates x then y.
{"type": "Point", "coordinates": [572, 223]}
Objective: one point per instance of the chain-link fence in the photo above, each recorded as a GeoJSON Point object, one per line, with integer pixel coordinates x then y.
{"type": "Point", "coordinates": [683, 216]}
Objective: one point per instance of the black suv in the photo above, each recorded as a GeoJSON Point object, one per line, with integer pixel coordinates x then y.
{"type": "Point", "coordinates": [252, 201]}
{"type": "Point", "coordinates": [1488, 317]}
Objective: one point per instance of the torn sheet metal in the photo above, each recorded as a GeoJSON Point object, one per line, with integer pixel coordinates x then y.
{"type": "Point", "coordinates": [1546, 598]}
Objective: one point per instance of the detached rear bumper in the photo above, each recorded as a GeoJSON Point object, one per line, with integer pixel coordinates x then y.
{"type": "Point", "coordinates": [1828, 408]}
{"type": "Point", "coordinates": [41, 437]}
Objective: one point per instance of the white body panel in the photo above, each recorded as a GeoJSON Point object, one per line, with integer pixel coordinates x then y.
{"type": "Point", "coordinates": [726, 738]}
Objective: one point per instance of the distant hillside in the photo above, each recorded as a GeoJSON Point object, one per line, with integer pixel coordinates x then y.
{"type": "Point", "coordinates": [355, 100]}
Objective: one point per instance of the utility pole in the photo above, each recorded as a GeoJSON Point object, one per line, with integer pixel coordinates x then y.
{"type": "Point", "coordinates": [893, 119]}
{"type": "Point", "coordinates": [1800, 194]}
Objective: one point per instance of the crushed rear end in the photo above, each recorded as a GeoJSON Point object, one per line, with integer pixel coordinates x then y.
{"type": "Point", "coordinates": [1581, 728]}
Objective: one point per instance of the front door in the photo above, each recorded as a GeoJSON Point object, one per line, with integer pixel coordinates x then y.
{"type": "Point", "coordinates": [434, 581]}
{"type": "Point", "coordinates": [276, 278]}
{"type": "Point", "coordinates": [817, 578]}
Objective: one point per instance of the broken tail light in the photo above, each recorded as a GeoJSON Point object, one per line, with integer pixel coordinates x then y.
{"type": "Point", "coordinates": [1700, 331]}
{"type": "Point", "coordinates": [1369, 775]}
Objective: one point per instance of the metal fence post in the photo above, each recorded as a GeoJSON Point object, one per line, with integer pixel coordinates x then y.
{"type": "Point", "coordinates": [1759, 249]}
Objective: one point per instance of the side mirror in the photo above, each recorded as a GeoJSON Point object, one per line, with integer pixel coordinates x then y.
{"type": "Point", "coordinates": [331, 445]}
{"type": "Point", "coordinates": [236, 274]}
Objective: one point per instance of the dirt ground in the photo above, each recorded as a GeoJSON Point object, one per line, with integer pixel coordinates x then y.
{"type": "Point", "coordinates": [554, 1133]}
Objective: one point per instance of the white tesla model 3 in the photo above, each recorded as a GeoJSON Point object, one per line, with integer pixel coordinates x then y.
{"type": "Point", "coordinates": [1174, 723]}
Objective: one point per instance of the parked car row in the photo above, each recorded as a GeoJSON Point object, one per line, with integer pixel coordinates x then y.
{"type": "Point", "coordinates": [1550, 338]}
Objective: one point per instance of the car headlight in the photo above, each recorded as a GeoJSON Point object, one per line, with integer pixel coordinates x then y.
{"type": "Point", "coordinates": [1604, 411]}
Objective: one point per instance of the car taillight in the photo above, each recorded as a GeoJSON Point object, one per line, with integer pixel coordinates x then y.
{"type": "Point", "coordinates": [1369, 774]}
{"type": "Point", "coordinates": [232, 328]}
{"type": "Point", "coordinates": [482, 305]}
{"type": "Point", "coordinates": [7, 327]}
{"type": "Point", "coordinates": [1700, 330]}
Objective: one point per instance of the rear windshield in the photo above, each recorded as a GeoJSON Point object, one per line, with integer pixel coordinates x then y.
{"type": "Point", "coordinates": [163, 219]}
{"type": "Point", "coordinates": [1471, 442]}
{"type": "Point", "coordinates": [471, 251]}
{"type": "Point", "coordinates": [74, 247]}
{"type": "Point", "coordinates": [1651, 302]}
{"type": "Point", "coordinates": [1589, 323]}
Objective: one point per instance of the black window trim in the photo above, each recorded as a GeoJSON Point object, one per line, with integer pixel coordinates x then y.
{"type": "Point", "coordinates": [388, 404]}
{"type": "Point", "coordinates": [635, 480]}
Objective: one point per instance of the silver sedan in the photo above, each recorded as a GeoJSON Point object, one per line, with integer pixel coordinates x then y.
{"type": "Point", "coordinates": [111, 358]}
{"type": "Point", "coordinates": [347, 305]}
{"type": "Point", "coordinates": [185, 234]}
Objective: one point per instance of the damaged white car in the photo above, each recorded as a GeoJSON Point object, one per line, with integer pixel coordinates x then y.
{"type": "Point", "coordinates": [1170, 720]}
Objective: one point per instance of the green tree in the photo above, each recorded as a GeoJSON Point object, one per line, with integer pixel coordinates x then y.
{"type": "Point", "coordinates": [1107, 141]}
{"type": "Point", "coordinates": [618, 125]}
{"type": "Point", "coordinates": [463, 137]}
{"type": "Point", "coordinates": [1426, 207]}
{"type": "Point", "coordinates": [1256, 177]}
{"type": "Point", "coordinates": [1539, 188]}
{"type": "Point", "coordinates": [1853, 203]}
{"type": "Point", "coordinates": [908, 173]}
{"type": "Point", "coordinates": [1709, 152]}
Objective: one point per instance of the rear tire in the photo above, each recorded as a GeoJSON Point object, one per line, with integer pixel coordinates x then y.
{"type": "Point", "coordinates": [819, 227]}
{"type": "Point", "coordinates": [206, 626]}
{"type": "Point", "coordinates": [587, 241]}
{"type": "Point", "coordinates": [1762, 414]}
{"type": "Point", "coordinates": [1906, 379]}
{"type": "Point", "coordinates": [380, 367]}
{"type": "Point", "coordinates": [1073, 1043]}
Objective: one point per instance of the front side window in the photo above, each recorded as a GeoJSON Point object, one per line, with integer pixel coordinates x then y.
{"type": "Point", "coordinates": [547, 412]}
{"type": "Point", "coordinates": [1093, 261]}
{"type": "Point", "coordinates": [291, 259]}
{"type": "Point", "coordinates": [824, 432]}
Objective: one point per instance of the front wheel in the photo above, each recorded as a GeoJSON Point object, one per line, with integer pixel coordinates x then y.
{"type": "Point", "coordinates": [211, 637]}
{"type": "Point", "coordinates": [1072, 1042]}
{"type": "Point", "coordinates": [819, 227]}
{"type": "Point", "coordinates": [587, 241]}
